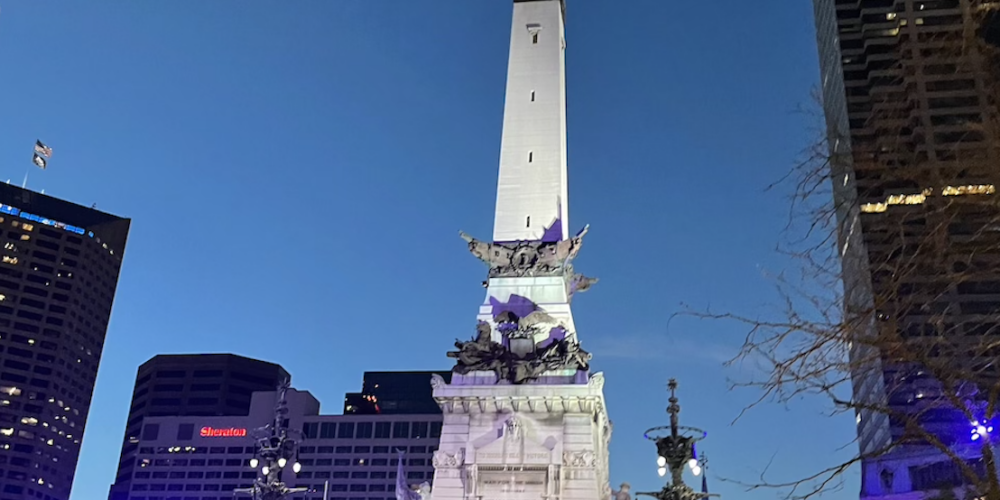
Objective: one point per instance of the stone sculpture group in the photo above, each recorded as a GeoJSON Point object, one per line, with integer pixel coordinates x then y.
{"type": "Point", "coordinates": [532, 258]}
{"type": "Point", "coordinates": [484, 354]}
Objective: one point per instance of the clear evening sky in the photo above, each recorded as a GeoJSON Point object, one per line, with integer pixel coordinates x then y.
{"type": "Point", "coordinates": [297, 173]}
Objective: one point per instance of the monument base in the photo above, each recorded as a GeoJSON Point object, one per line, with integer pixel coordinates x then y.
{"type": "Point", "coordinates": [522, 442]}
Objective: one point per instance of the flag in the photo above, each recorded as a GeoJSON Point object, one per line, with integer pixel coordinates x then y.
{"type": "Point", "coordinates": [42, 149]}
{"type": "Point", "coordinates": [38, 160]}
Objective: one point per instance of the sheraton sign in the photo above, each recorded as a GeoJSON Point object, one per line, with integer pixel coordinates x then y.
{"type": "Point", "coordinates": [230, 432]}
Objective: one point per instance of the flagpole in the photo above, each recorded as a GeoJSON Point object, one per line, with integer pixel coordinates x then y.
{"type": "Point", "coordinates": [326, 490]}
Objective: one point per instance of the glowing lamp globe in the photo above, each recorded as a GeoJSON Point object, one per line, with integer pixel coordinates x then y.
{"type": "Point", "coordinates": [662, 471]}
{"type": "Point", "coordinates": [661, 462]}
{"type": "Point", "coordinates": [282, 462]}
{"type": "Point", "coordinates": [253, 463]}
{"type": "Point", "coordinates": [296, 467]}
{"type": "Point", "coordinates": [265, 470]}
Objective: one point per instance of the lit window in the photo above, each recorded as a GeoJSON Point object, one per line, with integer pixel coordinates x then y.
{"type": "Point", "coordinates": [29, 420]}
{"type": "Point", "coordinates": [972, 189]}
{"type": "Point", "coordinates": [890, 16]}
{"type": "Point", "coordinates": [25, 237]}
{"type": "Point", "coordinates": [11, 391]}
{"type": "Point", "coordinates": [7, 259]}
{"type": "Point", "coordinates": [7, 432]}
{"type": "Point", "coordinates": [28, 227]}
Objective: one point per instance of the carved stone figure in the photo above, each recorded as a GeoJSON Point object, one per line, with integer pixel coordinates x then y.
{"type": "Point", "coordinates": [445, 460]}
{"type": "Point", "coordinates": [481, 354]}
{"type": "Point", "coordinates": [526, 258]}
{"type": "Point", "coordinates": [537, 319]}
{"type": "Point", "coordinates": [597, 381]}
{"type": "Point", "coordinates": [518, 365]}
{"type": "Point", "coordinates": [584, 458]}
{"type": "Point", "coordinates": [437, 381]}
{"type": "Point", "coordinates": [513, 428]}
{"type": "Point", "coordinates": [580, 283]}
{"type": "Point", "coordinates": [623, 492]}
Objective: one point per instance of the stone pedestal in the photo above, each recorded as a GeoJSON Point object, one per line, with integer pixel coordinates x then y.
{"type": "Point", "coordinates": [522, 442]}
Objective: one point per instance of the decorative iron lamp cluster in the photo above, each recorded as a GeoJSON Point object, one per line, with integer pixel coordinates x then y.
{"type": "Point", "coordinates": [274, 450]}
{"type": "Point", "coordinates": [675, 446]}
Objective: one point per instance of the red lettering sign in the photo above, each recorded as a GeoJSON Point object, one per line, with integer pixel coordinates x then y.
{"type": "Point", "coordinates": [230, 432]}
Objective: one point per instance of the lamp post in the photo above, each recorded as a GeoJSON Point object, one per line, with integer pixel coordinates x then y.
{"type": "Point", "coordinates": [675, 446]}
{"type": "Point", "coordinates": [275, 450]}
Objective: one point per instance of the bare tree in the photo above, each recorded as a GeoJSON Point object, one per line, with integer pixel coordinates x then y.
{"type": "Point", "coordinates": [891, 309]}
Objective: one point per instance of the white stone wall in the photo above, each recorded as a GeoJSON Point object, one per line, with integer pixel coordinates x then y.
{"type": "Point", "coordinates": [532, 179]}
{"type": "Point", "coordinates": [522, 442]}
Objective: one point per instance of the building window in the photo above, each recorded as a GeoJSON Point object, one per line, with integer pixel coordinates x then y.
{"type": "Point", "coordinates": [150, 432]}
{"type": "Point", "coordinates": [310, 429]}
{"type": "Point", "coordinates": [527, 222]}
{"type": "Point", "coordinates": [382, 430]}
{"type": "Point", "coordinates": [328, 430]}
{"type": "Point", "coordinates": [346, 430]}
{"type": "Point", "coordinates": [364, 430]}
{"type": "Point", "coordinates": [401, 430]}
{"type": "Point", "coordinates": [532, 96]}
{"type": "Point", "coordinates": [534, 37]}
{"type": "Point", "coordinates": [185, 432]}
{"type": "Point", "coordinates": [419, 430]}
{"type": "Point", "coordinates": [531, 156]}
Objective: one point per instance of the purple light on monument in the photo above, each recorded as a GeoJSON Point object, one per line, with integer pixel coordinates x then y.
{"type": "Point", "coordinates": [553, 233]}
{"type": "Point", "coordinates": [520, 306]}
{"type": "Point", "coordinates": [556, 334]}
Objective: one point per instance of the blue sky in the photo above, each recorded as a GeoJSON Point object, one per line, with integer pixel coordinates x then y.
{"type": "Point", "coordinates": [297, 173]}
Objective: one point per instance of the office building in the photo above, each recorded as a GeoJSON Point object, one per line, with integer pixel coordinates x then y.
{"type": "Point", "coordinates": [59, 268]}
{"type": "Point", "coordinates": [190, 385]}
{"type": "Point", "coordinates": [352, 456]}
{"type": "Point", "coordinates": [910, 90]}
{"type": "Point", "coordinates": [390, 393]}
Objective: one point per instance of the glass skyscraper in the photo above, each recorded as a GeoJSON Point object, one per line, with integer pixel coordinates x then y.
{"type": "Point", "coordinates": [909, 89]}
{"type": "Point", "coordinates": [59, 268]}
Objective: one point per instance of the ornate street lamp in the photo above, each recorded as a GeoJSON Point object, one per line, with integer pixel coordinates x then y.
{"type": "Point", "coordinates": [275, 450]}
{"type": "Point", "coordinates": [675, 445]}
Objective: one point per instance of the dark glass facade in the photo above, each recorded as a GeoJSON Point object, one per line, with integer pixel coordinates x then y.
{"type": "Point", "coordinates": [394, 393]}
{"type": "Point", "coordinates": [190, 385]}
{"type": "Point", "coordinates": [910, 102]}
{"type": "Point", "coordinates": [59, 267]}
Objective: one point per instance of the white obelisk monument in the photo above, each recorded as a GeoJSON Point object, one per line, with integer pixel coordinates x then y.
{"type": "Point", "coordinates": [524, 419]}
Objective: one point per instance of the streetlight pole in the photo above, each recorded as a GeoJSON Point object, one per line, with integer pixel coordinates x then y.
{"type": "Point", "coordinates": [675, 448]}
{"type": "Point", "coordinates": [275, 449]}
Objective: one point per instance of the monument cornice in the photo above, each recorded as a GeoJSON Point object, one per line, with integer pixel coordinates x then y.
{"type": "Point", "coordinates": [532, 398]}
